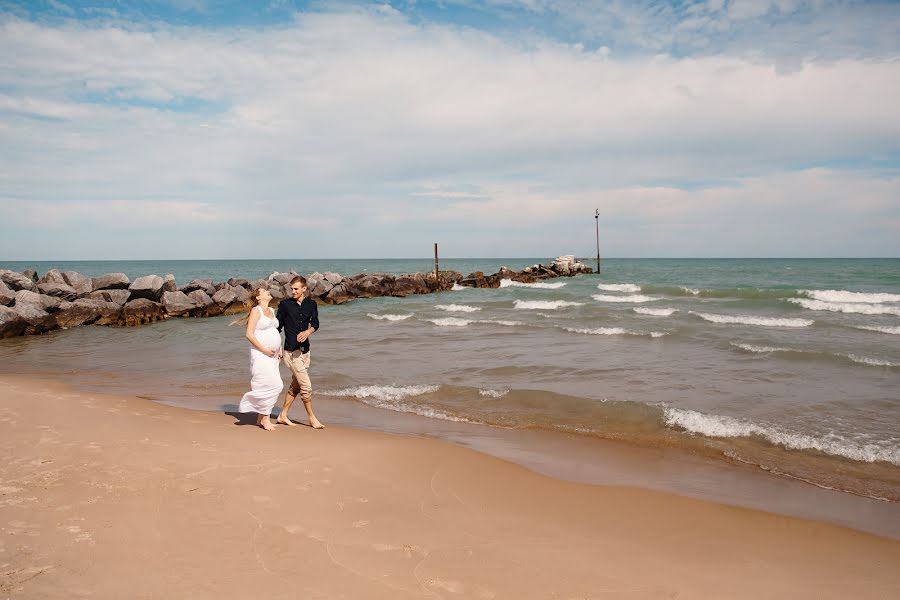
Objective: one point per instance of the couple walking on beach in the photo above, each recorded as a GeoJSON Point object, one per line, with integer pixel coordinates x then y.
{"type": "Point", "coordinates": [298, 316]}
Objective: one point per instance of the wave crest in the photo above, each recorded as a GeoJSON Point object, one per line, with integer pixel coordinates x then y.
{"type": "Point", "coordinates": [655, 312]}
{"type": "Point", "coordinates": [388, 317]}
{"type": "Point", "coordinates": [636, 298]}
{"type": "Point", "coordinates": [728, 427]}
{"type": "Point", "coordinates": [457, 308]}
{"type": "Point", "coordinates": [544, 304]}
{"type": "Point", "coordinates": [619, 287]}
{"type": "Point", "coordinates": [751, 320]}
{"type": "Point", "coordinates": [541, 285]}
{"type": "Point", "coordinates": [850, 297]}
{"type": "Point", "coordinates": [847, 307]}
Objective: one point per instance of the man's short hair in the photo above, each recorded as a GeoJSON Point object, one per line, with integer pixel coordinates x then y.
{"type": "Point", "coordinates": [299, 279]}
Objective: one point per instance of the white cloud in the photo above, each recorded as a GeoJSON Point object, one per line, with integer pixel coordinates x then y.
{"type": "Point", "coordinates": [364, 116]}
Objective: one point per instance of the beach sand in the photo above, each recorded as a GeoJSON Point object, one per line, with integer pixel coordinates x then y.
{"type": "Point", "coordinates": [118, 497]}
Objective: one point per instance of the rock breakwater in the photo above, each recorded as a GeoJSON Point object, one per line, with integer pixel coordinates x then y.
{"type": "Point", "coordinates": [31, 305]}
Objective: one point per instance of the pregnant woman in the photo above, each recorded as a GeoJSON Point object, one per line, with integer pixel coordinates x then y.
{"type": "Point", "coordinates": [265, 354]}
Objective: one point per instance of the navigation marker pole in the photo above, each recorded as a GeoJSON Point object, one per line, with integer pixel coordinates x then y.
{"type": "Point", "coordinates": [435, 262]}
{"type": "Point", "coordinates": [597, 220]}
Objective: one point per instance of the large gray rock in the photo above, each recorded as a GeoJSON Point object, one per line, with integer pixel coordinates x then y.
{"type": "Point", "coordinates": [282, 278]}
{"type": "Point", "coordinates": [6, 294]}
{"type": "Point", "coordinates": [225, 297]}
{"type": "Point", "coordinates": [204, 305]}
{"type": "Point", "coordinates": [169, 284]}
{"type": "Point", "coordinates": [177, 304]}
{"type": "Point", "coordinates": [16, 281]}
{"type": "Point", "coordinates": [243, 294]}
{"type": "Point", "coordinates": [141, 311]}
{"type": "Point", "coordinates": [238, 282]}
{"type": "Point", "coordinates": [37, 320]}
{"type": "Point", "coordinates": [31, 274]}
{"type": "Point", "coordinates": [119, 297]}
{"type": "Point", "coordinates": [52, 276]}
{"type": "Point", "coordinates": [11, 323]}
{"type": "Point", "coordinates": [200, 284]}
{"type": "Point", "coordinates": [406, 285]}
{"type": "Point", "coordinates": [333, 278]}
{"type": "Point", "coordinates": [80, 312]}
{"type": "Point", "coordinates": [318, 285]}
{"type": "Point", "coordinates": [83, 285]}
{"type": "Point", "coordinates": [47, 303]}
{"type": "Point", "coordinates": [148, 286]}
{"type": "Point", "coordinates": [58, 290]}
{"type": "Point", "coordinates": [111, 281]}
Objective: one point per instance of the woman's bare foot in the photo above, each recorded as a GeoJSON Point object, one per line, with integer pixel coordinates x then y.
{"type": "Point", "coordinates": [266, 423]}
{"type": "Point", "coordinates": [314, 423]}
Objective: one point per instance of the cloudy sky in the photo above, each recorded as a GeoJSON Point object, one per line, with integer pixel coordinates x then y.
{"type": "Point", "coordinates": [210, 129]}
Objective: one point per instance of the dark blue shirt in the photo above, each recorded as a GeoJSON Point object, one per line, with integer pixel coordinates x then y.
{"type": "Point", "coordinates": [294, 317]}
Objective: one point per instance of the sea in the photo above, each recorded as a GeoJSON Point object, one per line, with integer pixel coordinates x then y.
{"type": "Point", "coordinates": [785, 368]}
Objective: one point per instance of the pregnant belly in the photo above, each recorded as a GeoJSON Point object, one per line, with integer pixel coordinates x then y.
{"type": "Point", "coordinates": [269, 338]}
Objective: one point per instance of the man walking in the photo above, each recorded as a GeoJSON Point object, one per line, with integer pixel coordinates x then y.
{"type": "Point", "coordinates": [299, 318]}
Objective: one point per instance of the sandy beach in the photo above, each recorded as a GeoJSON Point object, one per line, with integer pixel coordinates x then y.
{"type": "Point", "coordinates": [118, 497]}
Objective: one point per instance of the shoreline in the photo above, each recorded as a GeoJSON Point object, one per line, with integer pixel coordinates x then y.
{"type": "Point", "coordinates": [105, 493]}
{"type": "Point", "coordinates": [592, 461]}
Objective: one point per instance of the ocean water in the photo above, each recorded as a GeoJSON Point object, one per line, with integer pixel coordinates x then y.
{"type": "Point", "coordinates": [789, 366]}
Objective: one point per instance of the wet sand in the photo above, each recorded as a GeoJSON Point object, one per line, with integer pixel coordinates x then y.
{"type": "Point", "coordinates": [110, 496]}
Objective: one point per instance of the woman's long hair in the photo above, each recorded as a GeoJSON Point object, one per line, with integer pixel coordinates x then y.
{"type": "Point", "coordinates": [251, 304]}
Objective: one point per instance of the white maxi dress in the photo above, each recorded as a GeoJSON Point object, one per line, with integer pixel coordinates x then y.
{"type": "Point", "coordinates": [265, 378]}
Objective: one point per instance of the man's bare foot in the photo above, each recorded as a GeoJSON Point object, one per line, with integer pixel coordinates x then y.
{"type": "Point", "coordinates": [283, 420]}
{"type": "Point", "coordinates": [266, 423]}
{"type": "Point", "coordinates": [314, 423]}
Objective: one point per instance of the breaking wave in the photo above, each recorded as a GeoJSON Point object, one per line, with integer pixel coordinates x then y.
{"type": "Point", "coordinates": [450, 322]}
{"type": "Point", "coordinates": [544, 304]}
{"type": "Point", "coordinates": [655, 312]}
{"type": "Point", "coordinates": [850, 297]}
{"type": "Point", "coordinates": [760, 349]}
{"type": "Point", "coordinates": [613, 331]}
{"type": "Point", "coordinates": [890, 330]}
{"type": "Point", "coordinates": [493, 393]}
{"type": "Point", "coordinates": [458, 288]}
{"type": "Point", "coordinates": [872, 362]}
{"type": "Point", "coordinates": [541, 285]}
{"type": "Point", "coordinates": [394, 398]}
{"type": "Point", "coordinates": [388, 317]}
{"type": "Point", "coordinates": [619, 287]}
{"type": "Point", "coordinates": [457, 308]}
{"type": "Point", "coordinates": [847, 307]}
{"type": "Point", "coordinates": [729, 427]}
{"type": "Point", "coordinates": [751, 320]}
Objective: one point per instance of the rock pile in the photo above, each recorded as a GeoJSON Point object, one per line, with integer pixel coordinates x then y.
{"type": "Point", "coordinates": [60, 300]}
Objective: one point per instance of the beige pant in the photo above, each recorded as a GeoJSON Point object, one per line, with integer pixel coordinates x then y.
{"type": "Point", "coordinates": [299, 365]}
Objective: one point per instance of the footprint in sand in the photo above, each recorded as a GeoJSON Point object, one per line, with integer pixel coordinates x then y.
{"type": "Point", "coordinates": [295, 529]}
{"type": "Point", "coordinates": [359, 524]}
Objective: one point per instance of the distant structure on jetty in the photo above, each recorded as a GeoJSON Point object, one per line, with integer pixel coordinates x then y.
{"type": "Point", "coordinates": [60, 300]}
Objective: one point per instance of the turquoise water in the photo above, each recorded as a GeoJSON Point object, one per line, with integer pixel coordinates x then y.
{"type": "Point", "coordinates": [788, 365]}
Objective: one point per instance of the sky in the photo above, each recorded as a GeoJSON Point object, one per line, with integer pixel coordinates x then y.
{"type": "Point", "coordinates": [201, 129]}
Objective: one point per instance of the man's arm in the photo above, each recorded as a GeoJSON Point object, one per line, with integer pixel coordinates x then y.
{"type": "Point", "coordinates": [313, 323]}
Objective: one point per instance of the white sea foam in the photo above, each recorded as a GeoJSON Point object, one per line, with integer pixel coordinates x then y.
{"type": "Point", "coordinates": [760, 349]}
{"type": "Point", "coordinates": [692, 291]}
{"type": "Point", "coordinates": [613, 331]}
{"type": "Point", "coordinates": [847, 307]}
{"type": "Point", "coordinates": [891, 330]}
{"type": "Point", "coordinates": [388, 317]}
{"type": "Point", "coordinates": [395, 398]}
{"type": "Point", "coordinates": [636, 298]}
{"type": "Point", "coordinates": [450, 322]}
{"type": "Point", "coordinates": [752, 320]}
{"type": "Point", "coordinates": [384, 392]}
{"type": "Point", "coordinates": [656, 312]}
{"type": "Point", "coordinates": [728, 427]}
{"type": "Point", "coordinates": [850, 297]}
{"type": "Point", "coordinates": [458, 288]}
{"type": "Point", "coordinates": [544, 304]}
{"type": "Point", "coordinates": [541, 285]}
{"type": "Point", "coordinates": [619, 287]}
{"type": "Point", "coordinates": [493, 393]}
{"type": "Point", "coordinates": [457, 308]}
{"type": "Point", "coordinates": [873, 362]}
{"type": "Point", "coordinates": [502, 322]}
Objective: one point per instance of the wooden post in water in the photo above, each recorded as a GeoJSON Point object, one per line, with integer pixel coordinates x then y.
{"type": "Point", "coordinates": [435, 262]}
{"type": "Point", "coordinates": [597, 220]}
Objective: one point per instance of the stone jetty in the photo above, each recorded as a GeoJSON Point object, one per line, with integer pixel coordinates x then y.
{"type": "Point", "coordinates": [30, 304]}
